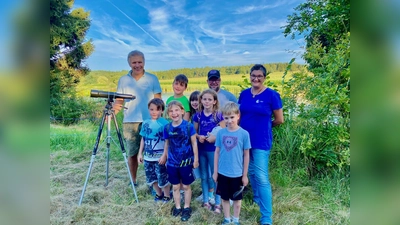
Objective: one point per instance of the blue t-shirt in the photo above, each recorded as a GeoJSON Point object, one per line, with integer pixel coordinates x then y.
{"type": "Point", "coordinates": [207, 124]}
{"type": "Point", "coordinates": [256, 116]}
{"type": "Point", "coordinates": [232, 145]}
{"type": "Point", "coordinates": [144, 89]}
{"type": "Point", "coordinates": [180, 152]}
{"type": "Point", "coordinates": [152, 133]}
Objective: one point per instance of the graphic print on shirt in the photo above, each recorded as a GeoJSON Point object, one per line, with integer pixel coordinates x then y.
{"type": "Point", "coordinates": [150, 145]}
{"type": "Point", "coordinates": [229, 142]}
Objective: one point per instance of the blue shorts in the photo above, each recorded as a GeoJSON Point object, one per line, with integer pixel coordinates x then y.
{"type": "Point", "coordinates": [178, 174]}
{"type": "Point", "coordinates": [155, 173]}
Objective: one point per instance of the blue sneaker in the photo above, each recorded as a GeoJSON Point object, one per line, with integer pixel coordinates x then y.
{"type": "Point", "coordinates": [158, 198]}
{"type": "Point", "coordinates": [226, 221]}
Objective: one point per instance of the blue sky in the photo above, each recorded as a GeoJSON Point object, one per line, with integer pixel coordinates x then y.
{"type": "Point", "coordinates": [176, 34]}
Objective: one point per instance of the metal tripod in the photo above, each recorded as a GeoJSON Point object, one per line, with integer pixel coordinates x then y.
{"type": "Point", "coordinates": [108, 114]}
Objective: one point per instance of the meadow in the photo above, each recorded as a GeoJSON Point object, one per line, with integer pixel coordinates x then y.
{"type": "Point", "coordinates": [297, 198]}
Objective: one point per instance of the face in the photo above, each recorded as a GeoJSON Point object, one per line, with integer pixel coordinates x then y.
{"type": "Point", "coordinates": [208, 101]}
{"type": "Point", "coordinates": [175, 113]}
{"type": "Point", "coordinates": [136, 63]}
{"type": "Point", "coordinates": [231, 120]}
{"type": "Point", "coordinates": [195, 104]}
{"type": "Point", "coordinates": [214, 83]}
{"type": "Point", "coordinates": [257, 78]}
{"type": "Point", "coordinates": [154, 112]}
{"type": "Point", "coordinates": [178, 87]}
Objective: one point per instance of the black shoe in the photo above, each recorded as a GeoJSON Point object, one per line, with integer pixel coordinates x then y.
{"type": "Point", "coordinates": [158, 198]}
{"type": "Point", "coordinates": [186, 213]}
{"type": "Point", "coordinates": [175, 211]}
{"type": "Point", "coordinates": [166, 199]}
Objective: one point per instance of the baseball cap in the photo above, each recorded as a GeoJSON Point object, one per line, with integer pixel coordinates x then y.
{"type": "Point", "coordinates": [213, 73]}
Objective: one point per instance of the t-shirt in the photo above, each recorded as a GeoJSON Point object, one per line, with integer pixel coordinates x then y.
{"type": "Point", "coordinates": [180, 152]}
{"type": "Point", "coordinates": [225, 96]}
{"type": "Point", "coordinates": [152, 133]}
{"type": "Point", "coordinates": [232, 146]}
{"type": "Point", "coordinates": [183, 99]}
{"type": "Point", "coordinates": [207, 124]}
{"type": "Point", "coordinates": [144, 90]}
{"type": "Point", "coordinates": [256, 116]}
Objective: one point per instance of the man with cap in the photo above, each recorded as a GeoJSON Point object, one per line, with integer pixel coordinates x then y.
{"type": "Point", "coordinates": [214, 82]}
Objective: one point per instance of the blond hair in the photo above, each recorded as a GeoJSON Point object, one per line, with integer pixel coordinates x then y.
{"type": "Point", "coordinates": [215, 106]}
{"type": "Point", "coordinates": [230, 108]}
{"type": "Point", "coordinates": [174, 102]}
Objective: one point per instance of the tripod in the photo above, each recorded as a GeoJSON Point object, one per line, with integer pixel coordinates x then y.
{"type": "Point", "coordinates": [108, 114]}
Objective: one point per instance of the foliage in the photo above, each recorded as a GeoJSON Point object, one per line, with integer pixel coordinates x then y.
{"type": "Point", "coordinates": [321, 100]}
{"type": "Point", "coordinates": [68, 50]}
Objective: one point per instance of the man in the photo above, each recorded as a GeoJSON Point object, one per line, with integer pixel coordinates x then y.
{"type": "Point", "coordinates": [214, 82]}
{"type": "Point", "coordinates": [145, 86]}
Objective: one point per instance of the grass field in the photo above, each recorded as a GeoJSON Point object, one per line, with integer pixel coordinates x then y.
{"type": "Point", "coordinates": [296, 201]}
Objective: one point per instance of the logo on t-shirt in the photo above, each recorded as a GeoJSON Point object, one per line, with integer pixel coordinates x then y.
{"type": "Point", "coordinates": [229, 142]}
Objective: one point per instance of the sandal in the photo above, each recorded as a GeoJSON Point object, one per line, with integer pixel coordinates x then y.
{"type": "Point", "coordinates": [217, 209]}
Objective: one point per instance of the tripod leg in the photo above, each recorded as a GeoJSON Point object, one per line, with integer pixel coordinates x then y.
{"type": "Point", "coordinates": [96, 145]}
{"type": "Point", "coordinates": [108, 146]}
{"type": "Point", "coordinates": [124, 154]}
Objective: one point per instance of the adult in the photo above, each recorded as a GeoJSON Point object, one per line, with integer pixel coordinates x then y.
{"type": "Point", "coordinates": [145, 86]}
{"type": "Point", "coordinates": [214, 82]}
{"type": "Point", "coordinates": [258, 105]}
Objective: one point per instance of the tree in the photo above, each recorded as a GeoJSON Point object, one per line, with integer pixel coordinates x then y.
{"type": "Point", "coordinates": [68, 50]}
{"type": "Point", "coordinates": [322, 99]}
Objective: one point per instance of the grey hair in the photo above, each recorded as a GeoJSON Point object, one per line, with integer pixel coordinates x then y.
{"type": "Point", "coordinates": [135, 53]}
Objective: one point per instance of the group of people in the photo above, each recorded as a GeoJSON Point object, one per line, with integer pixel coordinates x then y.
{"type": "Point", "coordinates": [212, 135]}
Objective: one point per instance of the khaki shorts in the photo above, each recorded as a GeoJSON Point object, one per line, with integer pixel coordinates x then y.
{"type": "Point", "coordinates": [132, 137]}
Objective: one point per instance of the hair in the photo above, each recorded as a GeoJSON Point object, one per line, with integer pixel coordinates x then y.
{"type": "Point", "coordinates": [157, 102]}
{"type": "Point", "coordinates": [175, 102]}
{"type": "Point", "coordinates": [230, 108]}
{"type": "Point", "coordinates": [135, 53]}
{"type": "Point", "coordinates": [215, 96]}
{"type": "Point", "coordinates": [181, 78]}
{"type": "Point", "coordinates": [259, 67]}
{"type": "Point", "coordinates": [193, 97]}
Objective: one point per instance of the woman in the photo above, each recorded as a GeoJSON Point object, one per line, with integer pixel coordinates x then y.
{"type": "Point", "coordinates": [258, 105]}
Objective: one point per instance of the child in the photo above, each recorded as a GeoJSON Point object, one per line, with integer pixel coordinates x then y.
{"type": "Point", "coordinates": [231, 162]}
{"type": "Point", "coordinates": [181, 149]}
{"type": "Point", "coordinates": [207, 118]}
{"type": "Point", "coordinates": [194, 103]}
{"type": "Point", "coordinates": [152, 143]}
{"type": "Point", "coordinates": [179, 85]}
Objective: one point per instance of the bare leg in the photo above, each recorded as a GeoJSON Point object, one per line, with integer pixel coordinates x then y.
{"type": "Point", "coordinates": [133, 167]}
{"type": "Point", "coordinates": [226, 208]}
{"type": "Point", "coordinates": [166, 190]}
{"type": "Point", "coordinates": [177, 195]}
{"type": "Point", "coordinates": [236, 208]}
{"type": "Point", "coordinates": [157, 188]}
{"type": "Point", "coordinates": [188, 195]}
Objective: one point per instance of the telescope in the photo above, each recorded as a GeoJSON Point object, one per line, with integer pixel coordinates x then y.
{"type": "Point", "coordinates": [110, 95]}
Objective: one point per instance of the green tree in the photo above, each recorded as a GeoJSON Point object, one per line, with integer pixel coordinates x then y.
{"type": "Point", "coordinates": [321, 99]}
{"type": "Point", "coordinates": [68, 50]}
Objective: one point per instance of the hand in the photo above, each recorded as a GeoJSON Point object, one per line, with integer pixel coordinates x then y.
{"type": "Point", "coordinates": [202, 138]}
{"type": "Point", "coordinates": [195, 164]}
{"type": "Point", "coordinates": [162, 159]}
{"type": "Point", "coordinates": [245, 180]}
{"type": "Point", "coordinates": [215, 177]}
{"type": "Point", "coordinates": [211, 137]}
{"type": "Point", "coordinates": [140, 158]}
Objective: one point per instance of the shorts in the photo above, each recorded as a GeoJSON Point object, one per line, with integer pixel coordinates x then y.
{"type": "Point", "coordinates": [156, 173]}
{"type": "Point", "coordinates": [178, 174]}
{"type": "Point", "coordinates": [227, 186]}
{"type": "Point", "coordinates": [132, 137]}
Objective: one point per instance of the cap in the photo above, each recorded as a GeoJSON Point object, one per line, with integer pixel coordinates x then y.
{"type": "Point", "coordinates": [213, 73]}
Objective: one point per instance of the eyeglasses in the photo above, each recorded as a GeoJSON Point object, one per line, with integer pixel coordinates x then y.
{"type": "Point", "coordinates": [215, 81]}
{"type": "Point", "coordinates": [258, 76]}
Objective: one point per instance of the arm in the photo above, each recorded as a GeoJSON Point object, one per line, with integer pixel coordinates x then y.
{"type": "Point", "coordinates": [195, 151]}
{"type": "Point", "coordinates": [158, 95]}
{"type": "Point", "coordinates": [186, 116]}
{"type": "Point", "coordinates": [278, 117]}
{"type": "Point", "coordinates": [216, 159]}
{"type": "Point", "coordinates": [200, 137]}
{"type": "Point", "coordinates": [140, 154]}
{"type": "Point", "coordinates": [246, 160]}
{"type": "Point", "coordinates": [163, 158]}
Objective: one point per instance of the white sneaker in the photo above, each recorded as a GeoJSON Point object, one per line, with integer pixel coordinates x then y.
{"type": "Point", "coordinates": [211, 201]}
{"type": "Point", "coordinates": [200, 198]}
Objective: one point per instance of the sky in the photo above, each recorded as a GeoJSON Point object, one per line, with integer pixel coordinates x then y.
{"type": "Point", "coordinates": [186, 34]}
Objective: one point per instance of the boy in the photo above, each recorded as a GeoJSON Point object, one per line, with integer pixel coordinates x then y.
{"type": "Point", "coordinates": [231, 162]}
{"type": "Point", "coordinates": [152, 143]}
{"type": "Point", "coordinates": [179, 86]}
{"type": "Point", "coordinates": [181, 149]}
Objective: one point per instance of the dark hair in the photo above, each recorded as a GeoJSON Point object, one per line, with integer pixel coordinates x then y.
{"type": "Point", "coordinates": [259, 67]}
{"type": "Point", "coordinates": [194, 97]}
{"type": "Point", "coordinates": [157, 102]}
{"type": "Point", "coordinates": [181, 78]}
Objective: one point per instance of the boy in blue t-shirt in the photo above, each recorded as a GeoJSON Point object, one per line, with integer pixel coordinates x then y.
{"type": "Point", "coordinates": [181, 149]}
{"type": "Point", "coordinates": [152, 145]}
{"type": "Point", "coordinates": [231, 162]}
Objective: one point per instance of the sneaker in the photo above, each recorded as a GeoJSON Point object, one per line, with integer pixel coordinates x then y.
{"type": "Point", "coordinates": [217, 209]}
{"type": "Point", "coordinates": [206, 205]}
{"type": "Point", "coordinates": [186, 213]}
{"type": "Point", "coordinates": [166, 199]}
{"type": "Point", "coordinates": [226, 221]}
{"type": "Point", "coordinates": [211, 201]}
{"type": "Point", "coordinates": [200, 198]}
{"type": "Point", "coordinates": [236, 223]}
{"type": "Point", "coordinates": [134, 184]}
{"type": "Point", "coordinates": [158, 198]}
{"type": "Point", "coordinates": [175, 212]}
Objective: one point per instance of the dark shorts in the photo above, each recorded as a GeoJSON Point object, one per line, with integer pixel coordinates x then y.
{"type": "Point", "coordinates": [178, 174]}
{"type": "Point", "coordinates": [227, 186]}
{"type": "Point", "coordinates": [156, 173]}
{"type": "Point", "coordinates": [132, 137]}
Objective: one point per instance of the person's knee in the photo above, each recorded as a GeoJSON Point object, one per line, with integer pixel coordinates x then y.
{"type": "Point", "coordinates": [186, 187]}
